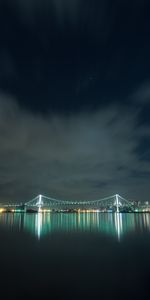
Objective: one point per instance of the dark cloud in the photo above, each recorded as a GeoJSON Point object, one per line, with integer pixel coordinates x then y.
{"type": "Point", "coordinates": [142, 94]}
{"type": "Point", "coordinates": [79, 73]}
{"type": "Point", "coordinates": [83, 156]}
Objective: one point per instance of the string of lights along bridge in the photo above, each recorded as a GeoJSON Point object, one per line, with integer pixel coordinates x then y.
{"type": "Point", "coordinates": [115, 203]}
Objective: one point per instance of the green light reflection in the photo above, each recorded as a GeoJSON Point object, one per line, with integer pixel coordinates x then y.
{"type": "Point", "coordinates": [42, 224]}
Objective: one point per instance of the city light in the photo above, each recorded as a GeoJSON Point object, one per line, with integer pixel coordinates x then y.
{"type": "Point", "coordinates": [112, 204]}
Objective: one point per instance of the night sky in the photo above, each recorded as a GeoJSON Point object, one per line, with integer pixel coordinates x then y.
{"type": "Point", "coordinates": [74, 99]}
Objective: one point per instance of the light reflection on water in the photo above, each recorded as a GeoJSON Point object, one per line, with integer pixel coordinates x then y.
{"type": "Point", "coordinates": [42, 224]}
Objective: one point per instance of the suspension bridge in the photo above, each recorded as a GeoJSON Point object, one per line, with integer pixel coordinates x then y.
{"type": "Point", "coordinates": [114, 203]}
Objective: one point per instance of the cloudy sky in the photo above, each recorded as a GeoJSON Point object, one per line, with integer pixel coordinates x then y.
{"type": "Point", "coordinates": [74, 99]}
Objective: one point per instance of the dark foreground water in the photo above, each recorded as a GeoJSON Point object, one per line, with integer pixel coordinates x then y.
{"type": "Point", "coordinates": [75, 256]}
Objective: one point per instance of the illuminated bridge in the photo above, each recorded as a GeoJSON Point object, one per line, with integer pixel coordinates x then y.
{"type": "Point", "coordinates": [114, 203]}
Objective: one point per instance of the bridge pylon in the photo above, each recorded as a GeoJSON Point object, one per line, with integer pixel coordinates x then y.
{"type": "Point", "coordinates": [39, 203]}
{"type": "Point", "coordinates": [117, 203]}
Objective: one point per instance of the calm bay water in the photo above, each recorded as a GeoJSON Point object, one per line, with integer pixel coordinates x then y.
{"type": "Point", "coordinates": [75, 255]}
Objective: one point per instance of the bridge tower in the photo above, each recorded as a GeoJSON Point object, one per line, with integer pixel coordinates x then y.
{"type": "Point", "coordinates": [39, 203]}
{"type": "Point", "coordinates": [117, 203]}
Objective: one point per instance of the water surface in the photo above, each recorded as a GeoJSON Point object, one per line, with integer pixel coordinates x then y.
{"type": "Point", "coordinates": [75, 255]}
